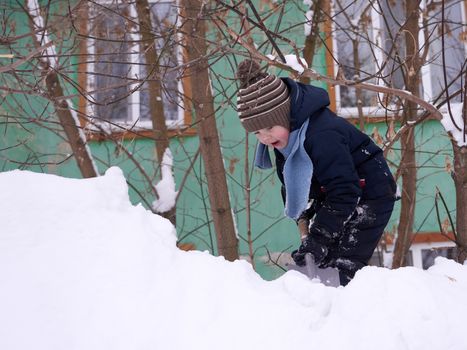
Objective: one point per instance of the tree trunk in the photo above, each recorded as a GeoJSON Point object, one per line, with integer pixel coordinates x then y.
{"type": "Point", "coordinates": [156, 106]}
{"type": "Point", "coordinates": [68, 121]}
{"type": "Point", "coordinates": [460, 182]}
{"type": "Point", "coordinates": [409, 183]}
{"type": "Point", "coordinates": [311, 41]}
{"type": "Point", "coordinates": [203, 105]}
{"type": "Point", "coordinates": [408, 167]}
{"type": "Point", "coordinates": [70, 125]}
{"type": "Point", "coordinates": [358, 92]}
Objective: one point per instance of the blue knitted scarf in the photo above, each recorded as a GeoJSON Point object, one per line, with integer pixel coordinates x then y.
{"type": "Point", "coordinates": [298, 171]}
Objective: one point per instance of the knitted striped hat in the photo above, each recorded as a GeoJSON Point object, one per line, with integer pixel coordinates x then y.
{"type": "Point", "coordinates": [263, 99]}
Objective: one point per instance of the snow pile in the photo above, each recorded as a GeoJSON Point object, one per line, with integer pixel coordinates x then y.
{"type": "Point", "coordinates": [81, 268]}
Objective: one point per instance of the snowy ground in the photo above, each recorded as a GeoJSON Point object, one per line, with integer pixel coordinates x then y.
{"type": "Point", "coordinates": [82, 268]}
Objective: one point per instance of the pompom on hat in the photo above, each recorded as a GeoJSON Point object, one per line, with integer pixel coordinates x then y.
{"type": "Point", "coordinates": [263, 99]}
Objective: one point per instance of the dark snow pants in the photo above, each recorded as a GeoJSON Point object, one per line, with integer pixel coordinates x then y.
{"type": "Point", "coordinates": [360, 236]}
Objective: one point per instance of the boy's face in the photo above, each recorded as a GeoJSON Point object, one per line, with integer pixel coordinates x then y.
{"type": "Point", "coordinates": [276, 136]}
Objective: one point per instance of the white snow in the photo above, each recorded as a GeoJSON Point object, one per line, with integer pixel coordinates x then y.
{"type": "Point", "coordinates": [355, 22]}
{"type": "Point", "coordinates": [166, 187]}
{"type": "Point", "coordinates": [82, 135]}
{"type": "Point", "coordinates": [295, 64]}
{"type": "Point", "coordinates": [308, 23]}
{"type": "Point", "coordinates": [460, 136]}
{"type": "Point", "coordinates": [82, 268]}
{"type": "Point", "coordinates": [42, 36]}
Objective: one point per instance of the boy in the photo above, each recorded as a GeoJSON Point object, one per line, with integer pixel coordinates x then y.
{"type": "Point", "coordinates": [331, 173]}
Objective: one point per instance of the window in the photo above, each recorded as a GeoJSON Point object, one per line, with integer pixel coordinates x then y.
{"type": "Point", "coordinates": [369, 43]}
{"type": "Point", "coordinates": [382, 257]}
{"type": "Point", "coordinates": [429, 255]}
{"type": "Point", "coordinates": [164, 16]}
{"type": "Point", "coordinates": [377, 259]}
{"type": "Point", "coordinates": [454, 48]}
{"type": "Point", "coordinates": [118, 71]}
{"type": "Point", "coordinates": [353, 36]}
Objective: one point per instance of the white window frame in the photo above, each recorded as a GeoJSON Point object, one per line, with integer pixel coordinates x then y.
{"type": "Point", "coordinates": [134, 72]}
{"type": "Point", "coordinates": [378, 111]}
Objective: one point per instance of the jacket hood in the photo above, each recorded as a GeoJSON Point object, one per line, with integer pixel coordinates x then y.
{"type": "Point", "coordinates": [305, 100]}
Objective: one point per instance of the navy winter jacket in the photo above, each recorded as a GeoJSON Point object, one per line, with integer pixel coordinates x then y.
{"type": "Point", "coordinates": [341, 156]}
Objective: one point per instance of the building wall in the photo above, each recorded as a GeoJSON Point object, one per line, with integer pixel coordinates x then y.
{"type": "Point", "coordinates": [273, 234]}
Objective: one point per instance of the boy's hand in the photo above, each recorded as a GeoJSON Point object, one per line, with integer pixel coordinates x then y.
{"type": "Point", "coordinates": [310, 245]}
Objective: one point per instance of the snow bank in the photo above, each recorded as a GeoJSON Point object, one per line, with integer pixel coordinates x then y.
{"type": "Point", "coordinates": [82, 268]}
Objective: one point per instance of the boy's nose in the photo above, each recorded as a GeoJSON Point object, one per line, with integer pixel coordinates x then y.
{"type": "Point", "coordinates": [267, 140]}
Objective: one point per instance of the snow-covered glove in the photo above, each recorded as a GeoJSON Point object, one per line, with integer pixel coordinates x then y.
{"type": "Point", "coordinates": [310, 245]}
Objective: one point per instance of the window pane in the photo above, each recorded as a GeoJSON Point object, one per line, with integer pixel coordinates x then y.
{"type": "Point", "coordinates": [409, 258]}
{"type": "Point", "coordinates": [454, 47]}
{"type": "Point", "coordinates": [353, 37]}
{"type": "Point", "coordinates": [111, 66]}
{"type": "Point", "coordinates": [164, 16]}
{"type": "Point", "coordinates": [377, 259]}
{"type": "Point", "coordinates": [393, 37]}
{"type": "Point", "coordinates": [429, 255]}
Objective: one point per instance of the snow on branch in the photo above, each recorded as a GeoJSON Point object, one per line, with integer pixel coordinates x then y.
{"type": "Point", "coordinates": [459, 136]}
{"type": "Point", "coordinates": [42, 36]}
{"type": "Point", "coordinates": [166, 187]}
